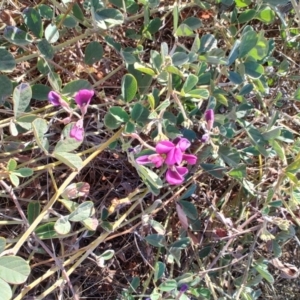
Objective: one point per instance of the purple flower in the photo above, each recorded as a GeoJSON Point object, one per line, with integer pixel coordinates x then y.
{"type": "Point", "coordinates": [155, 159]}
{"type": "Point", "coordinates": [175, 174]}
{"type": "Point", "coordinates": [77, 131]}
{"type": "Point", "coordinates": [205, 138]}
{"type": "Point", "coordinates": [209, 117]}
{"type": "Point", "coordinates": [54, 98]}
{"type": "Point", "coordinates": [184, 288]}
{"type": "Point", "coordinates": [173, 152]}
{"type": "Point", "coordinates": [83, 99]}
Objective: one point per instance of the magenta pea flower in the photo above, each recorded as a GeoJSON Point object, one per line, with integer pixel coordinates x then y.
{"type": "Point", "coordinates": [173, 152]}
{"type": "Point", "coordinates": [205, 138]}
{"type": "Point", "coordinates": [209, 117]}
{"type": "Point", "coordinates": [77, 130]}
{"type": "Point", "coordinates": [54, 98]}
{"type": "Point", "coordinates": [155, 159]}
{"type": "Point", "coordinates": [83, 99]}
{"type": "Point", "coordinates": [175, 175]}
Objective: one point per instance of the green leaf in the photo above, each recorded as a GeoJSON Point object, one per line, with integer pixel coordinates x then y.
{"type": "Point", "coordinates": [82, 212]}
{"type": "Point", "coordinates": [40, 92]}
{"type": "Point", "coordinates": [107, 255]}
{"type": "Point", "coordinates": [168, 285]}
{"type": "Point", "coordinates": [198, 93]}
{"type": "Point", "coordinates": [46, 49]}
{"type": "Point", "coordinates": [266, 15]}
{"type": "Point", "coordinates": [207, 43]}
{"type": "Point", "coordinates": [188, 193]}
{"type": "Point", "coordinates": [77, 12]}
{"type": "Point", "coordinates": [52, 33]}
{"type": "Point", "coordinates": [46, 231]}
{"type": "Point", "coordinates": [263, 271]}
{"type": "Point", "coordinates": [40, 127]}
{"type": "Point", "coordinates": [67, 145]}
{"type": "Point", "coordinates": [45, 11]}
{"type": "Point", "coordinates": [193, 23]}
{"type": "Point", "coordinates": [229, 155]}
{"type": "Point", "coordinates": [159, 270]}
{"type": "Point", "coordinates": [17, 36]}
{"type": "Point", "coordinates": [11, 165]}
{"type": "Point", "coordinates": [253, 69]}
{"type": "Point", "coordinates": [119, 114]}
{"type": "Point", "coordinates": [6, 86]}
{"type": "Point", "coordinates": [62, 225]}
{"type": "Point", "coordinates": [297, 94]}
{"type": "Point", "coordinates": [129, 127]}
{"type": "Point", "coordinates": [7, 62]}
{"type": "Point", "coordinates": [69, 21]}
{"type": "Point", "coordinates": [156, 240]}
{"type": "Point", "coordinates": [55, 81]}
{"type": "Point", "coordinates": [14, 179]}
{"type": "Point", "coordinates": [181, 243]}
{"type": "Point", "coordinates": [2, 244]}
{"type": "Point", "coordinates": [249, 40]}
{"type": "Point", "coordinates": [129, 87]}
{"type": "Point", "coordinates": [71, 160]}
{"type": "Point", "coordinates": [111, 122]}
{"type": "Point", "coordinates": [23, 172]}
{"type": "Point", "coordinates": [33, 211]}
{"type": "Point", "coordinates": [246, 16]}
{"type": "Point", "coordinates": [150, 178]}
{"type": "Point", "coordinates": [189, 83]}
{"type": "Point", "coordinates": [93, 53]}
{"type": "Point", "coordinates": [143, 69]}
{"type": "Point", "coordinates": [110, 16]}
{"type": "Point", "coordinates": [33, 21]}
{"type": "Point", "coordinates": [214, 170]}
{"type": "Point", "coordinates": [14, 269]}
{"type": "Point", "coordinates": [179, 58]}
{"type": "Point", "coordinates": [189, 209]}
{"type": "Point", "coordinates": [184, 30]}
{"type": "Point", "coordinates": [239, 172]}
{"type": "Point", "coordinates": [6, 293]}
{"type": "Point", "coordinates": [154, 25]}
{"type": "Point", "coordinates": [72, 87]}
{"type": "Point", "coordinates": [21, 98]}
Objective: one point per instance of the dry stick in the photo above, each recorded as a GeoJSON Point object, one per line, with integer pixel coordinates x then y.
{"type": "Point", "coordinates": [25, 222]}
{"type": "Point", "coordinates": [36, 222]}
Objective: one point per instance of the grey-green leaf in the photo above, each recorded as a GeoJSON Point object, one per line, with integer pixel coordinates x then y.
{"type": "Point", "coordinates": [14, 269]}
{"type": "Point", "coordinates": [21, 98]}
{"type": "Point", "coordinates": [71, 160]}
{"type": "Point", "coordinates": [129, 87]}
{"type": "Point", "coordinates": [33, 21]}
{"type": "Point", "coordinates": [93, 53]}
{"type": "Point", "coordinates": [7, 61]}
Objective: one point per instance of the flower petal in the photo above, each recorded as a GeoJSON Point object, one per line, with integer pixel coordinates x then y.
{"type": "Point", "coordinates": [156, 159]}
{"type": "Point", "coordinates": [205, 138]}
{"type": "Point", "coordinates": [183, 144]}
{"type": "Point", "coordinates": [143, 160]}
{"type": "Point", "coordinates": [77, 131]}
{"type": "Point", "coordinates": [54, 98]}
{"type": "Point", "coordinates": [174, 157]}
{"type": "Point", "coordinates": [174, 175]}
{"type": "Point", "coordinates": [189, 158]}
{"type": "Point", "coordinates": [164, 147]}
{"type": "Point", "coordinates": [173, 178]}
{"type": "Point", "coordinates": [182, 170]}
{"type": "Point", "coordinates": [209, 117]}
{"type": "Point", "coordinates": [83, 99]}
